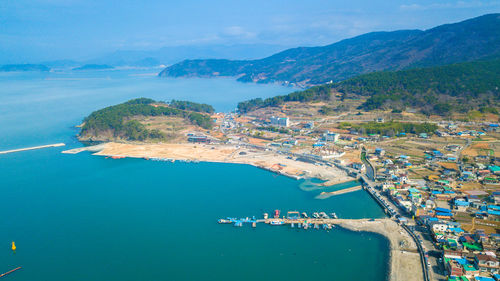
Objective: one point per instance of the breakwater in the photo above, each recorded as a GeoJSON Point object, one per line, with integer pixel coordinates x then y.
{"type": "Point", "coordinates": [32, 148]}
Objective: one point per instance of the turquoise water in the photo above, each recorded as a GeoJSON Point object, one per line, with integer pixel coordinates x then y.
{"type": "Point", "coordinates": [83, 217]}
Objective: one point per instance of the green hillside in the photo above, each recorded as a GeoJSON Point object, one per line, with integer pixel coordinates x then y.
{"type": "Point", "coordinates": [434, 90]}
{"type": "Point", "coordinates": [118, 119]}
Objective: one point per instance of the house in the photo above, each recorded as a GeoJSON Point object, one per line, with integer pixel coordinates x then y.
{"type": "Point", "coordinates": [201, 139]}
{"type": "Point", "coordinates": [379, 151]}
{"type": "Point", "coordinates": [327, 136]}
{"type": "Point", "coordinates": [470, 270]}
{"type": "Point", "coordinates": [439, 227]}
{"type": "Point", "coordinates": [358, 166]}
{"type": "Point", "coordinates": [494, 169]}
{"type": "Point", "coordinates": [454, 268]}
{"type": "Point", "coordinates": [487, 263]}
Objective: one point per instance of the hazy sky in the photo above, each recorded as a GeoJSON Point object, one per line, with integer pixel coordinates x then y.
{"type": "Point", "coordinates": [56, 29]}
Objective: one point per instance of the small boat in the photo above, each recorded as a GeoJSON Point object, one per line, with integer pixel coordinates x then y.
{"type": "Point", "coordinates": [238, 224]}
{"type": "Point", "coordinates": [276, 214]}
{"type": "Point", "coordinates": [276, 222]}
{"type": "Point", "coordinates": [224, 221]}
{"type": "Point", "coordinates": [13, 246]}
{"type": "Point", "coordinates": [315, 215]}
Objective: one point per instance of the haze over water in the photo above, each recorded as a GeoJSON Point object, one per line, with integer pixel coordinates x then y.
{"type": "Point", "coordinates": [83, 217]}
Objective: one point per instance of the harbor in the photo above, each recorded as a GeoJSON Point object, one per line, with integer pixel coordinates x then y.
{"type": "Point", "coordinates": [32, 148]}
{"type": "Point", "coordinates": [293, 219]}
{"type": "Point", "coordinates": [405, 262]}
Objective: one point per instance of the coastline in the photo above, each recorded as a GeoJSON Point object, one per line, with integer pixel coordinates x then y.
{"type": "Point", "coordinates": [404, 261]}
{"type": "Point", "coordinates": [267, 160]}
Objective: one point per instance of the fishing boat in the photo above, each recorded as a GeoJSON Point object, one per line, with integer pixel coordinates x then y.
{"type": "Point", "coordinates": [276, 222]}
{"type": "Point", "coordinates": [224, 221]}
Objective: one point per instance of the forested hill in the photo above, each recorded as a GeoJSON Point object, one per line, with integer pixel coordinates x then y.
{"type": "Point", "coordinates": [469, 40]}
{"type": "Point", "coordinates": [119, 121]}
{"type": "Point", "coordinates": [433, 90]}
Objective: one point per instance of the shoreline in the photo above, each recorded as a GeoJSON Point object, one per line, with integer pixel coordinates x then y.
{"type": "Point", "coordinates": [266, 160]}
{"type": "Point", "coordinates": [404, 262]}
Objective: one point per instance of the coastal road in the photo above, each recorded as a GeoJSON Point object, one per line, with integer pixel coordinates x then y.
{"type": "Point", "coordinates": [436, 269]}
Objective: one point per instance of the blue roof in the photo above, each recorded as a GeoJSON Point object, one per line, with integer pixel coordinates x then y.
{"type": "Point", "coordinates": [456, 229]}
{"type": "Point", "coordinates": [443, 210]}
{"type": "Point", "coordinates": [492, 212]}
{"type": "Point", "coordinates": [481, 278]}
{"type": "Point", "coordinates": [494, 168]}
{"type": "Point", "coordinates": [494, 207]}
{"type": "Point", "coordinates": [461, 203]}
{"type": "Point", "coordinates": [433, 219]}
{"type": "Point", "coordinates": [444, 214]}
{"type": "Point", "coordinates": [494, 125]}
{"type": "Point", "coordinates": [436, 192]}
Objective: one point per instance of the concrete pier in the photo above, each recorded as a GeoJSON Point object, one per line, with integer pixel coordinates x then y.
{"type": "Point", "coordinates": [32, 148]}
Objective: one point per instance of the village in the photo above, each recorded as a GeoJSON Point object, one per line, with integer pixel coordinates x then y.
{"type": "Point", "coordinates": [444, 182]}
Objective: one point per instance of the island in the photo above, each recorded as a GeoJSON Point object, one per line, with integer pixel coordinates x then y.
{"type": "Point", "coordinates": [93, 67]}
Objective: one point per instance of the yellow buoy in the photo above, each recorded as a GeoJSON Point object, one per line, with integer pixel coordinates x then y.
{"type": "Point", "coordinates": [13, 246]}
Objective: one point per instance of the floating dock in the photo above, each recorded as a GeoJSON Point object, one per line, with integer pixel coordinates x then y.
{"type": "Point", "coordinates": [32, 148]}
{"type": "Point", "coordinates": [292, 218]}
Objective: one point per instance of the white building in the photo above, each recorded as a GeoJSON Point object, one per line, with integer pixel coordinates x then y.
{"type": "Point", "coordinates": [280, 121]}
{"type": "Point", "coordinates": [327, 136]}
{"type": "Point", "coordinates": [439, 227]}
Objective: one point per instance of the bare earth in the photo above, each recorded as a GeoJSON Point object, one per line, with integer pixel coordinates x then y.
{"type": "Point", "coordinates": [405, 260]}
{"type": "Point", "coordinates": [228, 154]}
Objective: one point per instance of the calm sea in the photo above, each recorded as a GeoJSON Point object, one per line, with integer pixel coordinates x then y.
{"type": "Point", "coordinates": [82, 217]}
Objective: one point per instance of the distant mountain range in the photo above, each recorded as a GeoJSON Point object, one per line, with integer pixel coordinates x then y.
{"type": "Point", "coordinates": [93, 67]}
{"type": "Point", "coordinates": [473, 39]}
{"type": "Point", "coordinates": [23, 67]}
{"type": "Point", "coordinates": [174, 54]}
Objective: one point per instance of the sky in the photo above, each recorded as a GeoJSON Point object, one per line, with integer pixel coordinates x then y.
{"type": "Point", "coordinates": [37, 30]}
